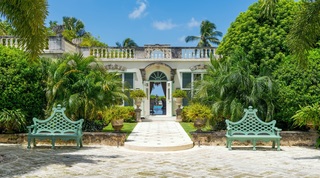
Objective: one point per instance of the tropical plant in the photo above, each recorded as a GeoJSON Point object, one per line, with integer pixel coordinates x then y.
{"type": "Point", "coordinates": [117, 113]}
{"type": "Point", "coordinates": [208, 35]}
{"type": "Point", "coordinates": [308, 115]}
{"type": "Point", "coordinates": [296, 87]}
{"type": "Point", "coordinates": [83, 85]}
{"type": "Point", "coordinates": [262, 40]}
{"type": "Point", "coordinates": [21, 83]}
{"type": "Point", "coordinates": [198, 111]}
{"type": "Point", "coordinates": [300, 40]}
{"type": "Point", "coordinates": [28, 19]}
{"type": "Point", "coordinates": [127, 43]}
{"type": "Point", "coordinates": [230, 86]}
{"type": "Point", "coordinates": [179, 94]}
{"type": "Point", "coordinates": [6, 28]}
{"type": "Point", "coordinates": [74, 25]}
{"type": "Point", "coordinates": [138, 93]}
{"type": "Point", "coordinates": [12, 120]}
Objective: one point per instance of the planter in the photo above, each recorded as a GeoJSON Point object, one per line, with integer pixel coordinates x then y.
{"type": "Point", "coordinates": [138, 101]}
{"type": "Point", "coordinates": [199, 123]}
{"type": "Point", "coordinates": [117, 125]}
{"type": "Point", "coordinates": [179, 102]}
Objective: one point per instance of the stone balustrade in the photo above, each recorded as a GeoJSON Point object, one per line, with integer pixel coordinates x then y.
{"type": "Point", "coordinates": [57, 44]}
{"type": "Point", "coordinates": [10, 41]}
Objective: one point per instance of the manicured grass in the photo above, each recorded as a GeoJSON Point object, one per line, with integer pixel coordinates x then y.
{"type": "Point", "coordinates": [188, 127]}
{"type": "Point", "coordinates": [127, 128]}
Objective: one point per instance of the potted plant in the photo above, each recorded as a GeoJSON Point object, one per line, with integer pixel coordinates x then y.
{"type": "Point", "coordinates": [199, 114]}
{"type": "Point", "coordinates": [116, 115]}
{"type": "Point", "coordinates": [137, 95]}
{"type": "Point", "coordinates": [309, 116]}
{"type": "Point", "coordinates": [179, 95]}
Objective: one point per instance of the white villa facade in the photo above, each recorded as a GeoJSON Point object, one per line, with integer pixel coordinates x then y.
{"type": "Point", "coordinates": [143, 67]}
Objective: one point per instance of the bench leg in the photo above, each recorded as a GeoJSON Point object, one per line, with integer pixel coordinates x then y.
{"type": "Point", "coordinates": [278, 145]}
{"type": "Point", "coordinates": [81, 143]}
{"type": "Point", "coordinates": [254, 144]}
{"type": "Point", "coordinates": [78, 143]}
{"type": "Point", "coordinates": [274, 144]}
{"type": "Point", "coordinates": [53, 142]}
{"type": "Point", "coordinates": [229, 142]}
{"type": "Point", "coordinates": [34, 142]}
{"type": "Point", "coordinates": [29, 140]}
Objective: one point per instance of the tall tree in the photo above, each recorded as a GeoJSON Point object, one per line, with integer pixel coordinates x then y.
{"type": "Point", "coordinates": [83, 85]}
{"type": "Point", "coordinates": [127, 43]}
{"type": "Point", "coordinates": [28, 18]}
{"type": "Point", "coordinates": [75, 25]}
{"type": "Point", "coordinates": [262, 39]}
{"type": "Point", "coordinates": [229, 87]}
{"type": "Point", "coordinates": [208, 35]}
{"type": "Point", "coordinates": [305, 32]}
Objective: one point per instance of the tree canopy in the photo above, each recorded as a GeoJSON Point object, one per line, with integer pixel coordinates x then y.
{"type": "Point", "coordinates": [208, 35]}
{"type": "Point", "coordinates": [28, 18]}
{"type": "Point", "coordinates": [263, 40]}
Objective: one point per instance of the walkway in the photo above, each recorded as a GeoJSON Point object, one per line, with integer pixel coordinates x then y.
{"type": "Point", "coordinates": [158, 133]}
{"type": "Point", "coordinates": [205, 161]}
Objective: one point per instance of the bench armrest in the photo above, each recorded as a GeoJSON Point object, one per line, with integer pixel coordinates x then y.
{"type": "Point", "coordinates": [30, 128]}
{"type": "Point", "coordinates": [277, 131]}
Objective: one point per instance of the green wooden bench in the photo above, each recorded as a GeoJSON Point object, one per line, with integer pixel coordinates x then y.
{"type": "Point", "coordinates": [57, 126]}
{"type": "Point", "coordinates": [251, 128]}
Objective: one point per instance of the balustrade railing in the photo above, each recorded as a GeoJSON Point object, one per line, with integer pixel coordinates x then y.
{"type": "Point", "coordinates": [112, 52]}
{"type": "Point", "coordinates": [156, 51]}
{"type": "Point", "coordinates": [10, 41]}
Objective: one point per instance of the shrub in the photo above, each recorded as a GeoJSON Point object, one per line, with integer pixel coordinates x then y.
{"type": "Point", "coordinates": [179, 94]}
{"type": "Point", "coordinates": [21, 84]}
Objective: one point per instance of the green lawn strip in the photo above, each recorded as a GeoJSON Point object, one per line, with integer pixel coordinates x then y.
{"type": "Point", "coordinates": [188, 127]}
{"type": "Point", "coordinates": [127, 128]}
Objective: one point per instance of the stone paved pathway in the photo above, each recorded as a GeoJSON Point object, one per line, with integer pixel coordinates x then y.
{"type": "Point", "coordinates": [106, 161]}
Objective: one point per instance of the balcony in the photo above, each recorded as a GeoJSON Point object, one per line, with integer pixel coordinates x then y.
{"type": "Point", "coordinates": [58, 45]}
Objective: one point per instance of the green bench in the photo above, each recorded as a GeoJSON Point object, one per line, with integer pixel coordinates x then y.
{"type": "Point", "coordinates": [251, 128]}
{"type": "Point", "coordinates": [57, 126]}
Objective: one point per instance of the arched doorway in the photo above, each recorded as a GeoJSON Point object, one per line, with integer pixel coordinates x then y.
{"type": "Point", "coordinates": [158, 76]}
{"type": "Point", "coordinates": [158, 95]}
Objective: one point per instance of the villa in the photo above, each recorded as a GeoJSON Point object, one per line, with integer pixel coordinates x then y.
{"type": "Point", "coordinates": [162, 65]}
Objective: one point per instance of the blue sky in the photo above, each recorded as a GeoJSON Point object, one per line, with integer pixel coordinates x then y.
{"type": "Point", "coordinates": [148, 21]}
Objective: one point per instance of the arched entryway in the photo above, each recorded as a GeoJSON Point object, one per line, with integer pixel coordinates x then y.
{"type": "Point", "coordinates": [158, 77]}
{"type": "Point", "coordinates": [158, 95]}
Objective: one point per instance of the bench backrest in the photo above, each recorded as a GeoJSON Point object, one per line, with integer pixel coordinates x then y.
{"type": "Point", "coordinates": [57, 123]}
{"type": "Point", "coordinates": [250, 124]}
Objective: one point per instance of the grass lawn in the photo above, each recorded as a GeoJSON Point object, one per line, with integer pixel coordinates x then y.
{"type": "Point", "coordinates": [188, 127]}
{"type": "Point", "coordinates": [127, 128]}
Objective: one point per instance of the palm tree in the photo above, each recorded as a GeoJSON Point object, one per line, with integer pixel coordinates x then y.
{"type": "Point", "coordinates": [229, 87]}
{"type": "Point", "coordinates": [127, 43]}
{"type": "Point", "coordinates": [75, 25]}
{"type": "Point", "coordinates": [28, 18]}
{"type": "Point", "coordinates": [208, 35]}
{"type": "Point", "coordinates": [83, 85]}
{"type": "Point", "coordinates": [305, 32]}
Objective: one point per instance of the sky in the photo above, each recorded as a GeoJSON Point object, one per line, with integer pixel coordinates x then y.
{"type": "Point", "coordinates": [148, 21]}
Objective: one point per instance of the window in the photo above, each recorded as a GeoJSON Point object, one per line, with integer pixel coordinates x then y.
{"type": "Point", "coordinates": [128, 81]}
{"type": "Point", "coordinates": [186, 80]}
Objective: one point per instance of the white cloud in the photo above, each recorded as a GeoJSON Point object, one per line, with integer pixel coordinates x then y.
{"type": "Point", "coordinates": [193, 23]}
{"type": "Point", "coordinates": [164, 25]}
{"type": "Point", "coordinates": [139, 12]}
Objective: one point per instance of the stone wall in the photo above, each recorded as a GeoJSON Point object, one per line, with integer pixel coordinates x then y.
{"type": "Point", "coordinates": [94, 138]}
{"type": "Point", "coordinates": [289, 138]}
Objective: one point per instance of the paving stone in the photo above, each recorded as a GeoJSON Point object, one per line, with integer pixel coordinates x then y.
{"type": "Point", "coordinates": [204, 161]}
